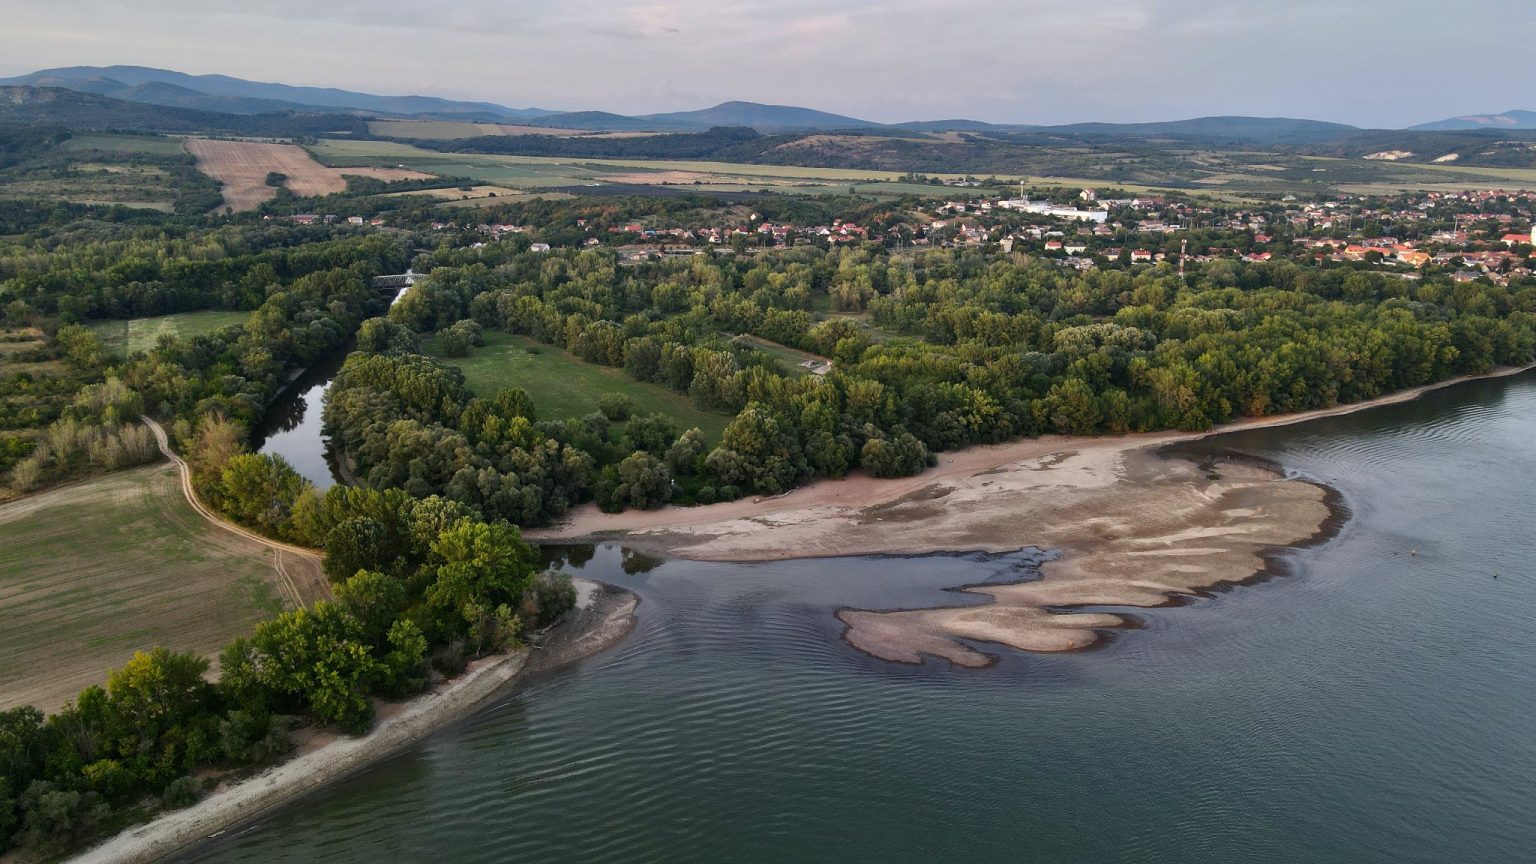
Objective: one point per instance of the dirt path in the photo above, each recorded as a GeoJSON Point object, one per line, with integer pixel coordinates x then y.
{"type": "Point", "coordinates": [317, 589]}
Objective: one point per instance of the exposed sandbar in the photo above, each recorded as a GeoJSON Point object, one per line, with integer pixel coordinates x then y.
{"type": "Point", "coordinates": [1166, 529]}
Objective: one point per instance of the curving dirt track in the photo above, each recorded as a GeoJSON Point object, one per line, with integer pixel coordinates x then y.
{"type": "Point", "coordinates": [311, 583]}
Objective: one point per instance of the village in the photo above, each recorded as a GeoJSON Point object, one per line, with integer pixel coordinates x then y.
{"type": "Point", "coordinates": [1470, 235]}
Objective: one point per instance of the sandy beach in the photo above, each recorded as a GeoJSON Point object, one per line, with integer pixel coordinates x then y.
{"type": "Point", "coordinates": [1134, 529]}
{"type": "Point", "coordinates": [604, 614]}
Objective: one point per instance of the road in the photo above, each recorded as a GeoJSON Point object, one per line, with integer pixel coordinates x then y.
{"type": "Point", "coordinates": [279, 549]}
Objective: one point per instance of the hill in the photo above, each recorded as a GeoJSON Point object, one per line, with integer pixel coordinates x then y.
{"type": "Point", "coordinates": [77, 112]}
{"type": "Point", "coordinates": [1266, 130]}
{"type": "Point", "coordinates": [764, 118]}
{"type": "Point", "coordinates": [1498, 122]}
{"type": "Point", "coordinates": [90, 79]}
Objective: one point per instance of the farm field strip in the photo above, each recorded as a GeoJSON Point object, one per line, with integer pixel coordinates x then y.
{"type": "Point", "coordinates": [243, 166]}
{"type": "Point", "coordinates": [93, 571]}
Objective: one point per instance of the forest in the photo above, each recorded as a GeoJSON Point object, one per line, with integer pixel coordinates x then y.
{"type": "Point", "coordinates": [951, 349]}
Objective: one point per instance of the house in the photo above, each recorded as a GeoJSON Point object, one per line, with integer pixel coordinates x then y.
{"type": "Point", "coordinates": [538, 247]}
{"type": "Point", "coordinates": [1140, 255]}
{"type": "Point", "coordinates": [1513, 240]}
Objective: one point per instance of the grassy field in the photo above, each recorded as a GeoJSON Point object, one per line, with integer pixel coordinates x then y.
{"type": "Point", "coordinates": [93, 571]}
{"type": "Point", "coordinates": [535, 172]}
{"type": "Point", "coordinates": [124, 338]}
{"type": "Point", "coordinates": [786, 358]}
{"type": "Point", "coordinates": [158, 145]}
{"type": "Point", "coordinates": [563, 385]}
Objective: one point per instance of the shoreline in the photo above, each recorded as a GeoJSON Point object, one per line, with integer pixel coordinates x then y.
{"type": "Point", "coordinates": [604, 615]}
{"type": "Point", "coordinates": [1137, 526]}
{"type": "Point", "coordinates": [668, 530]}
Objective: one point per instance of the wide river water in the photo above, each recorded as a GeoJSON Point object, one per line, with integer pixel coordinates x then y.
{"type": "Point", "coordinates": [1378, 704]}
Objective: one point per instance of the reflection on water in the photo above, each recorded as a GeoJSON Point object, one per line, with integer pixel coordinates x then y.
{"type": "Point", "coordinates": [1374, 707]}
{"type": "Point", "coordinates": [291, 428]}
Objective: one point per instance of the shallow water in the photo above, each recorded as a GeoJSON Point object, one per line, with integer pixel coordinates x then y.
{"type": "Point", "coordinates": [291, 428]}
{"type": "Point", "coordinates": [1375, 705]}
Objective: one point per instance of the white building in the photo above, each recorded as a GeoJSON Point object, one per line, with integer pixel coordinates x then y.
{"type": "Point", "coordinates": [1024, 205]}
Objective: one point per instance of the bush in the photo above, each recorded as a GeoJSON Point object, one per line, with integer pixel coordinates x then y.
{"type": "Point", "coordinates": [615, 406]}
{"type": "Point", "coordinates": [180, 793]}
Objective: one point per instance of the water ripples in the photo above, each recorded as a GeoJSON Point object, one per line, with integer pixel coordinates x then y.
{"type": "Point", "coordinates": [1375, 707]}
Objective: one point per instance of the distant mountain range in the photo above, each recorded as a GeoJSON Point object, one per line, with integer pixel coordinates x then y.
{"type": "Point", "coordinates": [228, 95]}
{"type": "Point", "coordinates": [1496, 122]}
{"type": "Point", "coordinates": [239, 96]}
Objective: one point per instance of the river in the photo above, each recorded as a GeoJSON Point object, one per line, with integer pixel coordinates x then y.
{"type": "Point", "coordinates": [1375, 705]}
{"type": "Point", "coordinates": [291, 426]}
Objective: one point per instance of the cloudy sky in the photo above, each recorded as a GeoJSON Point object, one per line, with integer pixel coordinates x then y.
{"type": "Point", "coordinates": [1367, 62]}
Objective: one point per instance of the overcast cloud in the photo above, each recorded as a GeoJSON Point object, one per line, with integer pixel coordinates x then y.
{"type": "Point", "coordinates": [1366, 62]}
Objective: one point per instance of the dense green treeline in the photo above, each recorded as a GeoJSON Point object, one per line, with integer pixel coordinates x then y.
{"type": "Point", "coordinates": [308, 299]}
{"type": "Point", "coordinates": [155, 271]}
{"type": "Point", "coordinates": [986, 350]}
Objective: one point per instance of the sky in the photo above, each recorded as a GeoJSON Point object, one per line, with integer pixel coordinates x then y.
{"type": "Point", "coordinates": [1380, 63]}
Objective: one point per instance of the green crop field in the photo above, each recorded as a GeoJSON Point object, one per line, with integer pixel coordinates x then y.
{"type": "Point", "coordinates": [562, 385]}
{"type": "Point", "coordinates": [158, 145]}
{"type": "Point", "coordinates": [91, 572]}
{"type": "Point", "coordinates": [124, 338]}
{"type": "Point", "coordinates": [546, 171]}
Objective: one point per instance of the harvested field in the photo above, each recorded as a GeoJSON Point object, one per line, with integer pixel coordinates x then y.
{"type": "Point", "coordinates": [93, 571]}
{"type": "Point", "coordinates": [243, 166]}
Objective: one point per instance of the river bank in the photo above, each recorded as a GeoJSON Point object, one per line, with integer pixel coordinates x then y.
{"type": "Point", "coordinates": [603, 616]}
{"type": "Point", "coordinates": [1134, 528]}
{"type": "Point", "coordinates": [968, 502]}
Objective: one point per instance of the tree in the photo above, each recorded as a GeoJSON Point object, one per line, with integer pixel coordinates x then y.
{"type": "Point", "coordinates": [641, 481]}
{"type": "Point", "coordinates": [321, 657]}
{"type": "Point", "coordinates": [616, 406]}
{"type": "Point", "coordinates": [652, 433]}
{"type": "Point", "coordinates": [260, 489]}
{"type": "Point", "coordinates": [80, 345]}
{"type": "Point", "coordinates": [157, 696]}
{"type": "Point", "coordinates": [481, 567]}
{"type": "Point", "coordinates": [383, 336]}
{"type": "Point", "coordinates": [686, 455]}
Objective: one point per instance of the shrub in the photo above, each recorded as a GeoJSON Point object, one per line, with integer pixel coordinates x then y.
{"type": "Point", "coordinates": [616, 406]}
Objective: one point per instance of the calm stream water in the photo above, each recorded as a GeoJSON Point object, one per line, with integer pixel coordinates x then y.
{"type": "Point", "coordinates": [1379, 705]}
{"type": "Point", "coordinates": [291, 427]}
